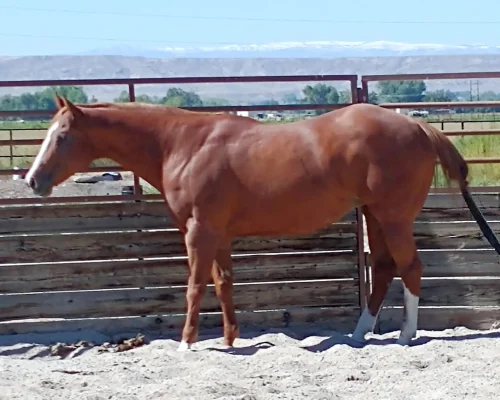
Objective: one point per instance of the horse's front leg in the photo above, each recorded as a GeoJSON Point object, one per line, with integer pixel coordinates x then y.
{"type": "Point", "coordinates": [201, 245]}
{"type": "Point", "coordinates": [222, 275]}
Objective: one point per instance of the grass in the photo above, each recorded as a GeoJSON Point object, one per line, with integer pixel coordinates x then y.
{"type": "Point", "coordinates": [469, 146]}
{"type": "Point", "coordinates": [475, 147]}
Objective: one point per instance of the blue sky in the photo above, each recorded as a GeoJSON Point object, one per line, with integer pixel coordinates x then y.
{"type": "Point", "coordinates": [57, 26]}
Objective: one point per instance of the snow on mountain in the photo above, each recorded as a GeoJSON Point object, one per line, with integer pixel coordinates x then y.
{"type": "Point", "coordinates": [321, 49]}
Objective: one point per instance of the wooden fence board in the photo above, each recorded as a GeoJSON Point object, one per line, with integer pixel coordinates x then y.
{"type": "Point", "coordinates": [76, 247]}
{"type": "Point", "coordinates": [90, 217]}
{"type": "Point", "coordinates": [456, 214]}
{"type": "Point", "coordinates": [455, 200]}
{"type": "Point", "coordinates": [478, 318]}
{"type": "Point", "coordinates": [24, 278]}
{"type": "Point", "coordinates": [450, 292]}
{"type": "Point", "coordinates": [460, 263]}
{"type": "Point", "coordinates": [128, 302]}
{"type": "Point", "coordinates": [451, 235]}
{"type": "Point", "coordinates": [84, 217]}
{"type": "Point", "coordinates": [341, 319]}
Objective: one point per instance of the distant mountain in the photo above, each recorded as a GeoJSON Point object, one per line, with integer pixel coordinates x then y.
{"type": "Point", "coordinates": [315, 49]}
{"type": "Point", "coordinates": [268, 59]}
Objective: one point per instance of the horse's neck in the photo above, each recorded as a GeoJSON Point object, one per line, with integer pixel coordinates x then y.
{"type": "Point", "coordinates": [131, 142]}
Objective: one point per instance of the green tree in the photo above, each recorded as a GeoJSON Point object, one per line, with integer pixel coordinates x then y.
{"type": "Point", "coordinates": [401, 91]}
{"type": "Point", "coordinates": [440, 95]}
{"type": "Point", "coordinates": [178, 97]}
{"type": "Point", "coordinates": [489, 95]}
{"type": "Point", "coordinates": [123, 97]}
{"type": "Point", "coordinates": [345, 97]}
{"type": "Point", "coordinates": [373, 98]}
{"type": "Point", "coordinates": [216, 102]}
{"type": "Point", "coordinates": [320, 94]}
{"type": "Point", "coordinates": [41, 100]}
{"type": "Point", "coordinates": [291, 98]}
{"type": "Point", "coordinates": [75, 94]}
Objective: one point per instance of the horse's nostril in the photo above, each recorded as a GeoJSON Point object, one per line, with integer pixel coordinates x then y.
{"type": "Point", "coordinates": [32, 183]}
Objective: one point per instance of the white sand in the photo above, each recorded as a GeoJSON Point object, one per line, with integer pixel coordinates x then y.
{"type": "Point", "coordinates": [279, 364]}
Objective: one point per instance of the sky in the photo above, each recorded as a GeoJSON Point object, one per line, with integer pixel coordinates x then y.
{"type": "Point", "coordinates": [34, 27]}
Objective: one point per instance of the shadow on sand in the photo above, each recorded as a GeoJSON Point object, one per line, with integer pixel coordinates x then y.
{"type": "Point", "coordinates": [338, 339]}
{"type": "Point", "coordinates": [16, 345]}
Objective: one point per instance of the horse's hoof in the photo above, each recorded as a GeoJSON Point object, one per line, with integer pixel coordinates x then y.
{"type": "Point", "coordinates": [358, 338]}
{"type": "Point", "coordinates": [184, 346]}
{"type": "Point", "coordinates": [403, 341]}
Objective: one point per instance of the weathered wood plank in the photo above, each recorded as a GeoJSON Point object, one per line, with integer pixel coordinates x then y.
{"type": "Point", "coordinates": [146, 301]}
{"type": "Point", "coordinates": [341, 319]}
{"type": "Point", "coordinates": [75, 247]}
{"type": "Point", "coordinates": [451, 235]}
{"type": "Point", "coordinates": [460, 263]}
{"type": "Point", "coordinates": [90, 217]}
{"type": "Point", "coordinates": [452, 207]}
{"type": "Point", "coordinates": [478, 318]}
{"type": "Point", "coordinates": [455, 200]}
{"type": "Point", "coordinates": [19, 278]}
{"type": "Point", "coordinates": [84, 217]}
{"type": "Point", "coordinates": [450, 292]}
{"type": "Point", "coordinates": [456, 214]}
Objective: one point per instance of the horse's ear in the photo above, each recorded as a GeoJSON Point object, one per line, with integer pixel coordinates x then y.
{"type": "Point", "coordinates": [59, 102]}
{"type": "Point", "coordinates": [72, 108]}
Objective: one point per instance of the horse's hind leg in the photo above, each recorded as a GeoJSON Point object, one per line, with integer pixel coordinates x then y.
{"type": "Point", "coordinates": [403, 249]}
{"type": "Point", "coordinates": [383, 272]}
{"type": "Point", "coordinates": [397, 228]}
{"type": "Point", "coordinates": [222, 275]}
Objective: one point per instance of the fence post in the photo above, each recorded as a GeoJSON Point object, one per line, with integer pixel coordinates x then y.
{"type": "Point", "coordinates": [361, 259]}
{"type": "Point", "coordinates": [11, 147]}
{"type": "Point", "coordinates": [137, 184]}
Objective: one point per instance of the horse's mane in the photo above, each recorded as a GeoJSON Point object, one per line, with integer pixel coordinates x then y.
{"type": "Point", "coordinates": [136, 105]}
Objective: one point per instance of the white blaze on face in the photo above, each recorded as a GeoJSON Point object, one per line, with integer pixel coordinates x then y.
{"type": "Point", "coordinates": [43, 150]}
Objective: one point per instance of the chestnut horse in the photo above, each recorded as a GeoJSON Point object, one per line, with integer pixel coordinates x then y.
{"type": "Point", "coordinates": [224, 176]}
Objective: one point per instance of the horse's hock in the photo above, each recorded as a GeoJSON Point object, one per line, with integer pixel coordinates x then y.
{"type": "Point", "coordinates": [120, 266]}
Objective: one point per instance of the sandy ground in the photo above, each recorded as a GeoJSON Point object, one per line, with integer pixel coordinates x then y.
{"type": "Point", "coordinates": [18, 189]}
{"type": "Point", "coordinates": [293, 364]}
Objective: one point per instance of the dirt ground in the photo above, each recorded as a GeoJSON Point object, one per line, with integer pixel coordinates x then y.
{"type": "Point", "coordinates": [10, 188]}
{"type": "Point", "coordinates": [280, 364]}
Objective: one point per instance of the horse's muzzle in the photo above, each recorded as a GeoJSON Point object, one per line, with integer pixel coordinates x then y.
{"type": "Point", "coordinates": [41, 186]}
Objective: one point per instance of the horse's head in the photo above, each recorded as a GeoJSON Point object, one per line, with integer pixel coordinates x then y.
{"type": "Point", "coordinates": [65, 150]}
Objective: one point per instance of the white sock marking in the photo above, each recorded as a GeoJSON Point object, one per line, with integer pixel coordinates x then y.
{"type": "Point", "coordinates": [366, 323]}
{"type": "Point", "coordinates": [184, 346]}
{"type": "Point", "coordinates": [409, 326]}
{"type": "Point", "coordinates": [42, 151]}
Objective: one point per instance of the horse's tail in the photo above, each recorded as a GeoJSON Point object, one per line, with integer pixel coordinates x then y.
{"type": "Point", "coordinates": [455, 169]}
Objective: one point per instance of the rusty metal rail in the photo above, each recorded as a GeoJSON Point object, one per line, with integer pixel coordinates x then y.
{"type": "Point", "coordinates": [182, 80]}
{"type": "Point", "coordinates": [442, 104]}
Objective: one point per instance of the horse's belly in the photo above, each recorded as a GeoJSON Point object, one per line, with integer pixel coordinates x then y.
{"type": "Point", "coordinates": [296, 218]}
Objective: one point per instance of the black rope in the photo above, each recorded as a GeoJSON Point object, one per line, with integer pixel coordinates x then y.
{"type": "Point", "coordinates": [481, 221]}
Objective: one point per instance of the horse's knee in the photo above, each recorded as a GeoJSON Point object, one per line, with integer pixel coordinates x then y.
{"type": "Point", "coordinates": [223, 288]}
{"type": "Point", "coordinates": [195, 292]}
